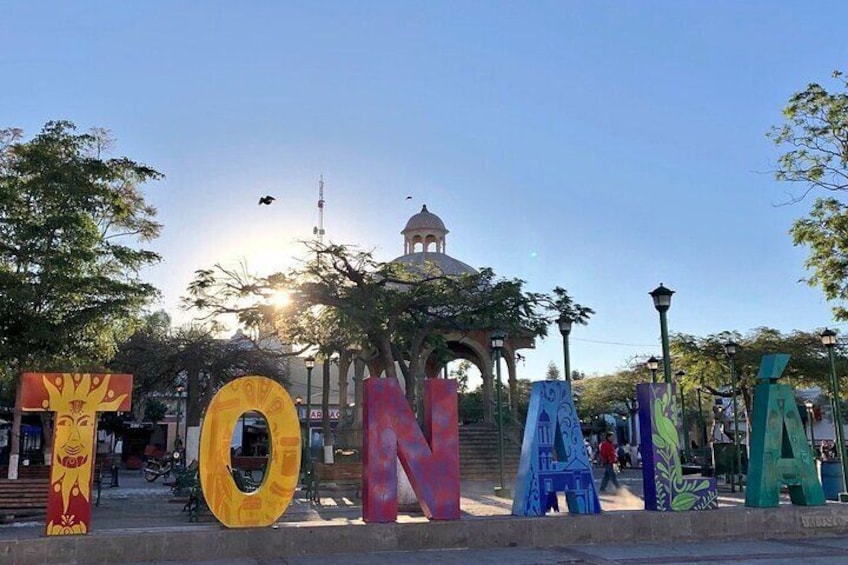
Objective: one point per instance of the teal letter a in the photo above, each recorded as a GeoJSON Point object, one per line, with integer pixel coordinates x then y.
{"type": "Point", "coordinates": [780, 454]}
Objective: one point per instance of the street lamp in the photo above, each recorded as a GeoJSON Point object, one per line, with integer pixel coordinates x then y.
{"type": "Point", "coordinates": [177, 440]}
{"type": "Point", "coordinates": [497, 342]}
{"type": "Point", "coordinates": [653, 364]}
{"type": "Point", "coordinates": [701, 421]}
{"type": "Point", "coordinates": [633, 409]}
{"type": "Point", "coordinates": [662, 302]}
{"type": "Point", "coordinates": [730, 350]}
{"type": "Point", "coordinates": [564, 323]}
{"type": "Point", "coordinates": [811, 421]}
{"type": "Point", "coordinates": [310, 364]}
{"type": "Point", "coordinates": [828, 339]}
{"type": "Point", "coordinates": [680, 374]}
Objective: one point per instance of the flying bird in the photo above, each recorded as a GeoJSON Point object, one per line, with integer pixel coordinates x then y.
{"type": "Point", "coordinates": [267, 199]}
{"type": "Point", "coordinates": [409, 198]}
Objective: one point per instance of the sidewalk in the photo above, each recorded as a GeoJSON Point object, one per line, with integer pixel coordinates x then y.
{"type": "Point", "coordinates": [137, 504]}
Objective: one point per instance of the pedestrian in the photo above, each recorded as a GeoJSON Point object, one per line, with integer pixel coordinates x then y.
{"type": "Point", "coordinates": [608, 459]}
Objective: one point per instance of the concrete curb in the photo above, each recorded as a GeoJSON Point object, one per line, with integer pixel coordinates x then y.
{"type": "Point", "coordinates": [309, 538]}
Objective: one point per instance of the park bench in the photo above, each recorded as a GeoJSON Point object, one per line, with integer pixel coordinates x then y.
{"type": "Point", "coordinates": [105, 474]}
{"type": "Point", "coordinates": [23, 498]}
{"type": "Point", "coordinates": [343, 475]}
{"type": "Point", "coordinates": [248, 465]}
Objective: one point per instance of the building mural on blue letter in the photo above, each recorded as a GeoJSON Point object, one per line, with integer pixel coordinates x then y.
{"type": "Point", "coordinates": [553, 458]}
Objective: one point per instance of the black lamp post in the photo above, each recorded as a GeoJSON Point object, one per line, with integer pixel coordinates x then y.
{"type": "Point", "coordinates": [564, 323]}
{"type": "Point", "coordinates": [177, 440]}
{"type": "Point", "coordinates": [828, 339]}
{"type": "Point", "coordinates": [811, 420]}
{"type": "Point", "coordinates": [662, 302]}
{"type": "Point", "coordinates": [701, 421]}
{"type": "Point", "coordinates": [653, 364]}
{"type": "Point", "coordinates": [310, 364]}
{"type": "Point", "coordinates": [497, 342]}
{"type": "Point", "coordinates": [680, 374]}
{"type": "Point", "coordinates": [730, 350]}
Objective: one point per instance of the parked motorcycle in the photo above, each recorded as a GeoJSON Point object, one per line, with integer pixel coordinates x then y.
{"type": "Point", "coordinates": [156, 468]}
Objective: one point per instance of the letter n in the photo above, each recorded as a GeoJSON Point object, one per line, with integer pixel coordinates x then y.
{"type": "Point", "coordinates": [391, 433]}
{"type": "Point", "coordinates": [780, 454]}
{"type": "Point", "coordinates": [553, 458]}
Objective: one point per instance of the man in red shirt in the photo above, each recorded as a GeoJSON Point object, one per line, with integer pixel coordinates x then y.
{"type": "Point", "coordinates": [608, 459]}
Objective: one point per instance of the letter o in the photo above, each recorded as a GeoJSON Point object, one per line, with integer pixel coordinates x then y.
{"type": "Point", "coordinates": [232, 507]}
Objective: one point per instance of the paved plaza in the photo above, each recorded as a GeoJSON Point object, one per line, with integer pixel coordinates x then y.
{"type": "Point", "coordinates": [820, 551]}
{"type": "Point", "coordinates": [139, 514]}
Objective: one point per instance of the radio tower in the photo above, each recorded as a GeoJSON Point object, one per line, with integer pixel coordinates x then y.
{"type": "Point", "coordinates": [319, 229]}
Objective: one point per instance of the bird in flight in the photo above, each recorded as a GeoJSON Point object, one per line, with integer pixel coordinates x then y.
{"type": "Point", "coordinates": [267, 199]}
{"type": "Point", "coordinates": [409, 198]}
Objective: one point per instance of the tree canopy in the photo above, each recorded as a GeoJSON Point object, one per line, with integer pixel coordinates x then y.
{"type": "Point", "coordinates": [72, 222]}
{"type": "Point", "coordinates": [344, 298]}
{"type": "Point", "coordinates": [815, 139]}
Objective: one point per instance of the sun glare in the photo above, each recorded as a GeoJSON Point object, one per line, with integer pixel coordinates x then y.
{"type": "Point", "coordinates": [281, 298]}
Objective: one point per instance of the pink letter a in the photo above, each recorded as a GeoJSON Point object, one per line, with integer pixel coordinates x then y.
{"type": "Point", "coordinates": [391, 433]}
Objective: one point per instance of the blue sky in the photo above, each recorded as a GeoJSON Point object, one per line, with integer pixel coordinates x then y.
{"type": "Point", "coordinates": [601, 146]}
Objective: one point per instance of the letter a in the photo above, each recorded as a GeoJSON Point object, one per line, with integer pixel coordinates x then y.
{"type": "Point", "coordinates": [553, 458]}
{"type": "Point", "coordinates": [780, 454]}
{"type": "Point", "coordinates": [391, 433]}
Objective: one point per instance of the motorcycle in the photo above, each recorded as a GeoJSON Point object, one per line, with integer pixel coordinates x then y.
{"type": "Point", "coordinates": [156, 468]}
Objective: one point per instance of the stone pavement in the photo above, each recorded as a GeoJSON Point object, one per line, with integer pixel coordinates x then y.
{"type": "Point", "coordinates": [138, 522]}
{"type": "Point", "coordinates": [818, 551]}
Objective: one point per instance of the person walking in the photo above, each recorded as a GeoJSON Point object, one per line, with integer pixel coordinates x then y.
{"type": "Point", "coordinates": [608, 459]}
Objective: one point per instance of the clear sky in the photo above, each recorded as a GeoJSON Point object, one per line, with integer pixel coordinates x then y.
{"type": "Point", "coordinates": [601, 146]}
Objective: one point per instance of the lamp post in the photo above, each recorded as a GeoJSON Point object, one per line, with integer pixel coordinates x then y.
{"type": "Point", "coordinates": [653, 364]}
{"type": "Point", "coordinates": [177, 440]}
{"type": "Point", "coordinates": [497, 340]}
{"type": "Point", "coordinates": [662, 302]}
{"type": "Point", "coordinates": [310, 364]}
{"type": "Point", "coordinates": [702, 423]}
{"type": "Point", "coordinates": [564, 323]}
{"type": "Point", "coordinates": [633, 409]}
{"type": "Point", "coordinates": [730, 351]}
{"type": "Point", "coordinates": [828, 339]}
{"type": "Point", "coordinates": [680, 374]}
{"type": "Point", "coordinates": [811, 420]}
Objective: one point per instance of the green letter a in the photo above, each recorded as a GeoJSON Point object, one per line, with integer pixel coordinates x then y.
{"type": "Point", "coordinates": [780, 454]}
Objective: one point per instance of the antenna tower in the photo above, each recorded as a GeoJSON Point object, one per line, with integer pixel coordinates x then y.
{"type": "Point", "coordinates": [319, 229]}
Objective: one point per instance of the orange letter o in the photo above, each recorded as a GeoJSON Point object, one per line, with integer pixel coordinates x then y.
{"type": "Point", "coordinates": [232, 507]}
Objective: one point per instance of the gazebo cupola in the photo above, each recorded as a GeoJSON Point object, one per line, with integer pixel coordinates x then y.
{"type": "Point", "coordinates": [425, 229]}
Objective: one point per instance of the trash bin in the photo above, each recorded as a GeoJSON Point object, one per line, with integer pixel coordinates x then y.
{"type": "Point", "coordinates": [830, 473]}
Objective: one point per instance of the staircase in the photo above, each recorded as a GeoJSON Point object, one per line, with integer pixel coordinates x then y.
{"type": "Point", "coordinates": [478, 452]}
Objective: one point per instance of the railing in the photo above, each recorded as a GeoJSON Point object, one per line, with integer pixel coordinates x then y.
{"type": "Point", "coordinates": [512, 428]}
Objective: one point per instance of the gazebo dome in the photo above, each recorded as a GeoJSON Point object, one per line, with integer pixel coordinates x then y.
{"type": "Point", "coordinates": [424, 220]}
{"type": "Point", "coordinates": [425, 263]}
{"type": "Point", "coordinates": [424, 246]}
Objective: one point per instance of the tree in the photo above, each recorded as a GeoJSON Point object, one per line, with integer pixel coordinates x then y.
{"type": "Point", "coordinates": [706, 365]}
{"type": "Point", "coordinates": [70, 222]}
{"type": "Point", "coordinates": [552, 373]}
{"type": "Point", "coordinates": [71, 225]}
{"type": "Point", "coordinates": [154, 410]}
{"type": "Point", "coordinates": [607, 394]}
{"type": "Point", "coordinates": [815, 137]}
{"type": "Point", "coordinates": [392, 311]}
